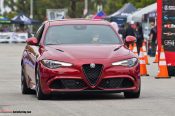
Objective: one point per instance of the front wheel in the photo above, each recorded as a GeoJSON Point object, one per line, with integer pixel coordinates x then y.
{"type": "Point", "coordinates": [132, 94]}
{"type": "Point", "coordinates": [171, 70]}
{"type": "Point", "coordinates": [24, 87]}
{"type": "Point", "coordinates": [39, 94]}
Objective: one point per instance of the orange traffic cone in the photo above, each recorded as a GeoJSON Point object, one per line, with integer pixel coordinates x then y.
{"type": "Point", "coordinates": [143, 69]}
{"type": "Point", "coordinates": [135, 49]}
{"type": "Point", "coordinates": [163, 70]}
{"type": "Point", "coordinates": [156, 57]}
{"type": "Point", "coordinates": [131, 47]}
{"type": "Point", "coordinates": [145, 53]}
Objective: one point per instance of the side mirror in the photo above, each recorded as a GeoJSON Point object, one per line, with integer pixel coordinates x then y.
{"type": "Point", "coordinates": [32, 41]}
{"type": "Point", "coordinates": [130, 39]}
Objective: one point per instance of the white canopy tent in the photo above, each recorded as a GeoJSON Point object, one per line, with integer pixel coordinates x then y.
{"type": "Point", "coordinates": [138, 15]}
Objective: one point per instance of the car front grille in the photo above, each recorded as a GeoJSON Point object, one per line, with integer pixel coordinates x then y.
{"type": "Point", "coordinates": [92, 74]}
{"type": "Point", "coordinates": [116, 83]}
{"type": "Point", "coordinates": [67, 84]}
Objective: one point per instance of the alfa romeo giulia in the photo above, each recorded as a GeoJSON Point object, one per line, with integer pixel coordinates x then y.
{"type": "Point", "coordinates": [79, 55]}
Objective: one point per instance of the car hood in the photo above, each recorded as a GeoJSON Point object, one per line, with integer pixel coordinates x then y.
{"type": "Point", "coordinates": [87, 51]}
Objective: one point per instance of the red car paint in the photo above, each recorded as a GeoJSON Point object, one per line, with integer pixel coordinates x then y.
{"type": "Point", "coordinates": [78, 55]}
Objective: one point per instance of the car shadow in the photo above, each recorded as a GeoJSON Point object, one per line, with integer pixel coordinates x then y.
{"type": "Point", "coordinates": [80, 97]}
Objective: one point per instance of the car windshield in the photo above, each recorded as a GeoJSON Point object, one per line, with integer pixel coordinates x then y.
{"type": "Point", "coordinates": [81, 34]}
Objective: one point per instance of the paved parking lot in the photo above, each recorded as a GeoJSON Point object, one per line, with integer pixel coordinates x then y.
{"type": "Point", "coordinates": [157, 95]}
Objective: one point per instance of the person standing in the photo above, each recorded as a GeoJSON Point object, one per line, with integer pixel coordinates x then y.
{"type": "Point", "coordinates": [115, 25]}
{"type": "Point", "coordinates": [153, 39]}
{"type": "Point", "coordinates": [139, 36]}
{"type": "Point", "coordinates": [130, 29]}
{"type": "Point", "coordinates": [122, 31]}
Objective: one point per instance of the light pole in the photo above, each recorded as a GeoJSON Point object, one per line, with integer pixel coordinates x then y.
{"type": "Point", "coordinates": [1, 7]}
{"type": "Point", "coordinates": [31, 9]}
{"type": "Point", "coordinates": [31, 14]}
{"type": "Point", "coordinates": [85, 7]}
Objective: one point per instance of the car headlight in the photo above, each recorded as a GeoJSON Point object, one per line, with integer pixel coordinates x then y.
{"type": "Point", "coordinates": [129, 62]}
{"type": "Point", "coordinates": [55, 64]}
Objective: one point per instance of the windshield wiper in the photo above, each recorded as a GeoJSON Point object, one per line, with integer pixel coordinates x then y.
{"type": "Point", "coordinates": [117, 48]}
{"type": "Point", "coordinates": [52, 44]}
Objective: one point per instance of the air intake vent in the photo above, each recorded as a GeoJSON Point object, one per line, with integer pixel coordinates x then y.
{"type": "Point", "coordinates": [92, 72]}
{"type": "Point", "coordinates": [116, 83]}
{"type": "Point", "coordinates": [67, 84]}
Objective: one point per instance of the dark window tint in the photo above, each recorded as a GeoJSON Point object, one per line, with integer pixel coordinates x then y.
{"type": "Point", "coordinates": [81, 34]}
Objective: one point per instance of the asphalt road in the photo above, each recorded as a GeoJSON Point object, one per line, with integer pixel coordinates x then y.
{"type": "Point", "coordinates": [157, 95]}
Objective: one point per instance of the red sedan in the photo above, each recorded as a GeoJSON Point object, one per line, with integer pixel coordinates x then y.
{"type": "Point", "coordinates": [79, 56]}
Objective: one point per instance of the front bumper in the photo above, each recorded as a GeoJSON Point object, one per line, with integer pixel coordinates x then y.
{"type": "Point", "coordinates": [73, 79]}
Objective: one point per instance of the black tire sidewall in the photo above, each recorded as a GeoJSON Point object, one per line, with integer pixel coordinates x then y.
{"type": "Point", "coordinates": [39, 93]}
{"type": "Point", "coordinates": [24, 87]}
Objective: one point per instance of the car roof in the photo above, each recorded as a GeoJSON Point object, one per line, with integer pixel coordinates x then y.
{"type": "Point", "coordinates": [78, 21]}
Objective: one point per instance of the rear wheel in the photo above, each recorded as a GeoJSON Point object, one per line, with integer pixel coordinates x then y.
{"type": "Point", "coordinates": [39, 94]}
{"type": "Point", "coordinates": [132, 94]}
{"type": "Point", "coordinates": [24, 87]}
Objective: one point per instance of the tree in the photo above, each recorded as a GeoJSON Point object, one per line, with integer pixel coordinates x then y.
{"type": "Point", "coordinates": [113, 5]}
{"type": "Point", "coordinates": [75, 7]}
{"type": "Point", "coordinates": [20, 6]}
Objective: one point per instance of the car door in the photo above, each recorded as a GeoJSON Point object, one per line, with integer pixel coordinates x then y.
{"type": "Point", "coordinates": [32, 54]}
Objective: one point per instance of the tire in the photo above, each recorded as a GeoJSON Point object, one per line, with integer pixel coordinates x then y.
{"type": "Point", "coordinates": [132, 94]}
{"type": "Point", "coordinates": [171, 70]}
{"type": "Point", "coordinates": [39, 94]}
{"type": "Point", "coordinates": [24, 87]}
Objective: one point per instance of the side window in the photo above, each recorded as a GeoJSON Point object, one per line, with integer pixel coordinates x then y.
{"type": "Point", "coordinates": [39, 33]}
